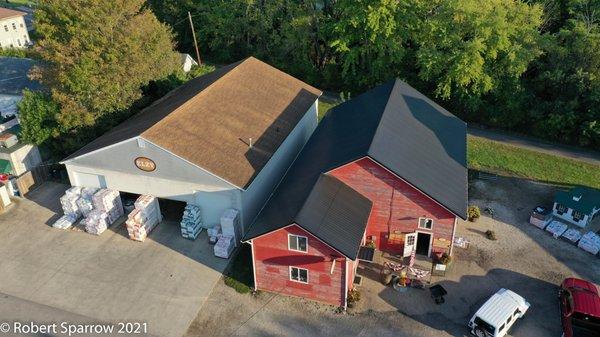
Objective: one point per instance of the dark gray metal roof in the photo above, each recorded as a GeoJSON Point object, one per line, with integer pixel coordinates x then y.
{"type": "Point", "coordinates": [13, 75]}
{"type": "Point", "coordinates": [336, 214]}
{"type": "Point", "coordinates": [396, 126]}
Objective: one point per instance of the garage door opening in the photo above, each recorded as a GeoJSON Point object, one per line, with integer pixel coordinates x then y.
{"type": "Point", "coordinates": [171, 210]}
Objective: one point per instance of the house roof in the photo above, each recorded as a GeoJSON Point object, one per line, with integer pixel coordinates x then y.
{"type": "Point", "coordinates": [6, 13]}
{"type": "Point", "coordinates": [336, 214]}
{"type": "Point", "coordinates": [582, 199]}
{"type": "Point", "coordinates": [13, 76]}
{"type": "Point", "coordinates": [396, 126]}
{"type": "Point", "coordinates": [210, 120]}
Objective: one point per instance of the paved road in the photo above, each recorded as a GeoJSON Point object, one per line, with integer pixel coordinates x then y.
{"type": "Point", "coordinates": [539, 145]}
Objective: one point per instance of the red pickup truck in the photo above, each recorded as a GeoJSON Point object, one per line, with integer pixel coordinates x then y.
{"type": "Point", "coordinates": [579, 308]}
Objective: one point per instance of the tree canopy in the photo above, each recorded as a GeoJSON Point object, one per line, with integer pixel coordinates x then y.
{"type": "Point", "coordinates": [97, 56]}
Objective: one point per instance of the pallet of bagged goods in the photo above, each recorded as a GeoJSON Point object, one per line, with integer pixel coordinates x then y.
{"type": "Point", "coordinates": [65, 221]}
{"type": "Point", "coordinates": [107, 208]}
{"type": "Point", "coordinates": [191, 222]}
{"type": "Point", "coordinates": [144, 217]}
{"type": "Point", "coordinates": [85, 203]}
{"type": "Point", "coordinates": [213, 234]}
{"type": "Point", "coordinates": [590, 242]}
{"type": "Point", "coordinates": [68, 201]}
{"type": "Point", "coordinates": [230, 225]}
{"type": "Point", "coordinates": [224, 246]}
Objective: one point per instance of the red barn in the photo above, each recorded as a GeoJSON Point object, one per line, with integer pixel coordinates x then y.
{"type": "Point", "coordinates": [387, 167]}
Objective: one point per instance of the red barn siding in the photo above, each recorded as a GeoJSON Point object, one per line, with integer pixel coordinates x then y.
{"type": "Point", "coordinates": [272, 260]}
{"type": "Point", "coordinates": [397, 206]}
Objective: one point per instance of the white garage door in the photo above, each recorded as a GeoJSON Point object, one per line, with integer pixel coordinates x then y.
{"type": "Point", "coordinates": [90, 180]}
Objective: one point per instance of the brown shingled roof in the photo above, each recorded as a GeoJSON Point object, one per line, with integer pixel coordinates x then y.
{"type": "Point", "coordinates": [209, 120]}
{"type": "Point", "coordinates": [6, 13]}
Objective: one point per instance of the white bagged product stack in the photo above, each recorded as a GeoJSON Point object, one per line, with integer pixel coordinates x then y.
{"type": "Point", "coordinates": [109, 202]}
{"type": "Point", "coordinates": [213, 234]}
{"type": "Point", "coordinates": [224, 246]}
{"type": "Point", "coordinates": [191, 222]}
{"type": "Point", "coordinates": [557, 228]}
{"type": "Point", "coordinates": [572, 235]}
{"type": "Point", "coordinates": [144, 217]}
{"type": "Point", "coordinates": [65, 221]}
{"type": "Point", "coordinates": [230, 225]}
{"type": "Point", "coordinates": [107, 208]}
{"type": "Point", "coordinates": [96, 222]}
{"type": "Point", "coordinates": [84, 203]}
{"type": "Point", "coordinates": [68, 201]}
{"type": "Point", "coordinates": [590, 242]}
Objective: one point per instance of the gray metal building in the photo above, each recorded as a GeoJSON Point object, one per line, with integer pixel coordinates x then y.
{"type": "Point", "coordinates": [223, 140]}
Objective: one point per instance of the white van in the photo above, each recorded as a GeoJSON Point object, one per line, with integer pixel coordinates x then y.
{"type": "Point", "coordinates": [498, 314]}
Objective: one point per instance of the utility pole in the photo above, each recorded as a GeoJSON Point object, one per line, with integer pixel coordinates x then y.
{"type": "Point", "coordinates": [194, 37]}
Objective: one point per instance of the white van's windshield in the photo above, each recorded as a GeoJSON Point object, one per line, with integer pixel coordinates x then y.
{"type": "Point", "coordinates": [484, 325]}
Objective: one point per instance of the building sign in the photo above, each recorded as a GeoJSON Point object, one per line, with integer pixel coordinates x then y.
{"type": "Point", "coordinates": [145, 164]}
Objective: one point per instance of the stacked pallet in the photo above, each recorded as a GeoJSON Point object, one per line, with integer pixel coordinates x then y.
{"type": "Point", "coordinates": [213, 234]}
{"type": "Point", "coordinates": [65, 221]}
{"type": "Point", "coordinates": [191, 222]}
{"type": "Point", "coordinates": [557, 228]}
{"type": "Point", "coordinates": [572, 235]}
{"type": "Point", "coordinates": [68, 201]}
{"type": "Point", "coordinates": [107, 209]}
{"type": "Point", "coordinates": [590, 242]}
{"type": "Point", "coordinates": [224, 246]}
{"type": "Point", "coordinates": [230, 225]}
{"type": "Point", "coordinates": [144, 217]}
{"type": "Point", "coordinates": [85, 203]}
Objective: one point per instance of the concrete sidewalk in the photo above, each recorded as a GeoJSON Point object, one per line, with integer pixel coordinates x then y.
{"type": "Point", "coordinates": [572, 152]}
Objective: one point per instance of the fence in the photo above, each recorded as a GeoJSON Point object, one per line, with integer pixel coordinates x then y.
{"type": "Point", "coordinates": [32, 179]}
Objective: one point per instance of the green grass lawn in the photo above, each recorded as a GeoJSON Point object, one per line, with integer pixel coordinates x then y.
{"type": "Point", "coordinates": [324, 106]}
{"type": "Point", "coordinates": [491, 156]}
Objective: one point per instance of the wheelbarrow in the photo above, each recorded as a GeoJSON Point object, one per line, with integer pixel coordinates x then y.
{"type": "Point", "coordinates": [437, 293]}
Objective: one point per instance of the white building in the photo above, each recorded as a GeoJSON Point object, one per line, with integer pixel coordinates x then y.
{"type": "Point", "coordinates": [16, 158]}
{"type": "Point", "coordinates": [13, 30]}
{"type": "Point", "coordinates": [187, 62]}
{"type": "Point", "coordinates": [579, 206]}
{"type": "Point", "coordinates": [222, 140]}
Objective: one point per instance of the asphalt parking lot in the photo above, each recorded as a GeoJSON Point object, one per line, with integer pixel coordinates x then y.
{"type": "Point", "coordinates": [51, 275]}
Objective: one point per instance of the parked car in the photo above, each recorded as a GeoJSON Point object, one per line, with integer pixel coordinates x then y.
{"type": "Point", "coordinates": [579, 308]}
{"type": "Point", "coordinates": [498, 314]}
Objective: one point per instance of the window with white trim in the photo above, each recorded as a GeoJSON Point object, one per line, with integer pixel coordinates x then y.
{"type": "Point", "coordinates": [425, 223]}
{"type": "Point", "coordinates": [561, 209]}
{"type": "Point", "coordinates": [577, 216]}
{"type": "Point", "coordinates": [299, 275]}
{"type": "Point", "coordinates": [297, 243]}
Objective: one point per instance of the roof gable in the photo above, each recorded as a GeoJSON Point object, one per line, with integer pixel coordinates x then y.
{"type": "Point", "coordinates": [425, 145]}
{"type": "Point", "coordinates": [336, 214]}
{"type": "Point", "coordinates": [400, 129]}
{"type": "Point", "coordinates": [581, 199]}
{"type": "Point", "coordinates": [6, 13]}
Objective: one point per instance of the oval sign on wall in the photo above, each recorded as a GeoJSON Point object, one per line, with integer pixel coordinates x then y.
{"type": "Point", "coordinates": [145, 164]}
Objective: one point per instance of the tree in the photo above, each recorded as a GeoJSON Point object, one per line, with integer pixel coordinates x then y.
{"type": "Point", "coordinates": [369, 37]}
{"type": "Point", "coordinates": [37, 115]}
{"type": "Point", "coordinates": [98, 55]}
{"type": "Point", "coordinates": [469, 47]}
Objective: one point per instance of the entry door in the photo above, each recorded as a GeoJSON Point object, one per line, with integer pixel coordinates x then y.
{"type": "Point", "coordinates": [409, 243]}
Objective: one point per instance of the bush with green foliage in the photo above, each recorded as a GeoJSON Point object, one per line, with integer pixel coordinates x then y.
{"type": "Point", "coordinates": [473, 212]}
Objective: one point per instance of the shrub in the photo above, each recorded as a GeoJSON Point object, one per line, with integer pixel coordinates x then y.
{"type": "Point", "coordinates": [445, 259]}
{"type": "Point", "coordinates": [473, 212]}
{"type": "Point", "coordinates": [490, 234]}
{"type": "Point", "coordinates": [353, 296]}
{"type": "Point", "coordinates": [237, 285]}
